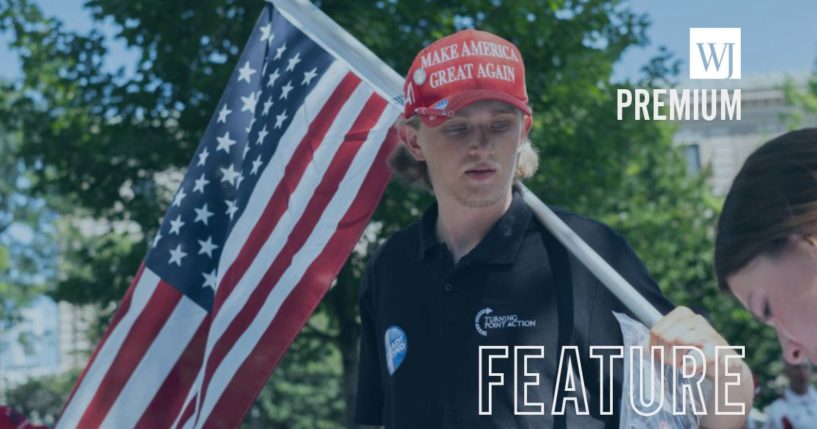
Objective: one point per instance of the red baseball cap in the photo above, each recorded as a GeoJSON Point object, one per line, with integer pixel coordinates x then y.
{"type": "Point", "coordinates": [460, 69]}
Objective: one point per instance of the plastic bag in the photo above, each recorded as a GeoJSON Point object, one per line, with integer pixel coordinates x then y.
{"type": "Point", "coordinates": [636, 334]}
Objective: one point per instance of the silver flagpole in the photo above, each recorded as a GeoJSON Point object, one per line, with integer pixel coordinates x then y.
{"type": "Point", "coordinates": [389, 84]}
{"type": "Point", "coordinates": [616, 284]}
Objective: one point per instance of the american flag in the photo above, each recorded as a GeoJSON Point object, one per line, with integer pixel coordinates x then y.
{"type": "Point", "coordinates": [288, 173]}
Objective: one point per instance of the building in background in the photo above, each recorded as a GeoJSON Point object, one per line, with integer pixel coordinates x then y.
{"type": "Point", "coordinates": [723, 146]}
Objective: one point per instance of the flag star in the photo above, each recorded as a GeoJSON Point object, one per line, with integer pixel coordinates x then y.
{"type": "Point", "coordinates": [224, 142]}
{"type": "Point", "coordinates": [293, 62]}
{"type": "Point", "coordinates": [231, 208]}
{"type": "Point", "coordinates": [158, 237]}
{"type": "Point", "coordinates": [176, 255]}
{"type": "Point", "coordinates": [249, 127]}
{"type": "Point", "coordinates": [308, 76]}
{"type": "Point", "coordinates": [207, 247]}
{"type": "Point", "coordinates": [262, 135]}
{"type": "Point", "coordinates": [266, 33]}
{"type": "Point", "coordinates": [279, 119]}
{"type": "Point", "coordinates": [176, 225]}
{"type": "Point", "coordinates": [202, 214]}
{"type": "Point", "coordinates": [223, 113]}
{"type": "Point", "coordinates": [285, 90]}
{"type": "Point", "coordinates": [210, 279]}
{"type": "Point", "coordinates": [267, 105]}
{"type": "Point", "coordinates": [272, 78]}
{"type": "Point", "coordinates": [264, 70]}
{"type": "Point", "coordinates": [177, 200]}
{"type": "Point", "coordinates": [246, 149]}
{"type": "Point", "coordinates": [229, 175]}
{"type": "Point", "coordinates": [201, 182]}
{"type": "Point", "coordinates": [250, 101]}
{"type": "Point", "coordinates": [245, 72]}
{"type": "Point", "coordinates": [280, 51]}
{"type": "Point", "coordinates": [255, 165]}
{"type": "Point", "coordinates": [238, 182]}
{"type": "Point", "coordinates": [203, 156]}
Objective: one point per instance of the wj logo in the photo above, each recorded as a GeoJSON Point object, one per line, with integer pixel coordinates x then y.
{"type": "Point", "coordinates": [714, 53]}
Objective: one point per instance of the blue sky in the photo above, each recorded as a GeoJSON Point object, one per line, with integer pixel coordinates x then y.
{"type": "Point", "coordinates": [777, 36]}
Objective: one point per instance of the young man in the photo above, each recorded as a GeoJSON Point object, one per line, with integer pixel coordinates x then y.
{"type": "Point", "coordinates": [479, 270]}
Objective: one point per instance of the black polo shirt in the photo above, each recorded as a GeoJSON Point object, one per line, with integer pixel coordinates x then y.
{"type": "Point", "coordinates": [424, 318]}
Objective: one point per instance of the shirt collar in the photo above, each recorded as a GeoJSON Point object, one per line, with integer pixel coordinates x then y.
{"type": "Point", "coordinates": [499, 246]}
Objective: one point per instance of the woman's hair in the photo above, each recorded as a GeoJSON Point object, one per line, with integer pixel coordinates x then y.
{"type": "Point", "coordinates": [415, 173]}
{"type": "Point", "coordinates": [773, 197]}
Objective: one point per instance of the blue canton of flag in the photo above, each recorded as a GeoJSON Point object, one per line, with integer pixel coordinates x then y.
{"type": "Point", "coordinates": [278, 69]}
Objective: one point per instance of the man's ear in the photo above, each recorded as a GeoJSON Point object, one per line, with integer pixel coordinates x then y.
{"type": "Point", "coordinates": [410, 137]}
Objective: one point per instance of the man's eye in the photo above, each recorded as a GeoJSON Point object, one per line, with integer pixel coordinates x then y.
{"type": "Point", "coordinates": [501, 126]}
{"type": "Point", "coordinates": [456, 130]}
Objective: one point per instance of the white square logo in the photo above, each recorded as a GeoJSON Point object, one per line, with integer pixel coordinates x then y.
{"type": "Point", "coordinates": [714, 53]}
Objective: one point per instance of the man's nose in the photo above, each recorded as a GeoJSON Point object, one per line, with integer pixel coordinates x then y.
{"type": "Point", "coordinates": [482, 138]}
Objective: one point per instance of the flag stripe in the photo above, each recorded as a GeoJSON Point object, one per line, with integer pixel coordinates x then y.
{"type": "Point", "coordinates": [324, 179]}
{"type": "Point", "coordinates": [185, 420]}
{"type": "Point", "coordinates": [145, 328]}
{"type": "Point", "coordinates": [117, 317]}
{"type": "Point", "coordinates": [292, 175]}
{"type": "Point", "coordinates": [169, 400]}
{"type": "Point", "coordinates": [301, 302]}
{"type": "Point", "coordinates": [142, 291]}
{"type": "Point", "coordinates": [272, 175]}
{"type": "Point", "coordinates": [158, 361]}
{"type": "Point", "coordinates": [288, 269]}
{"type": "Point", "coordinates": [294, 203]}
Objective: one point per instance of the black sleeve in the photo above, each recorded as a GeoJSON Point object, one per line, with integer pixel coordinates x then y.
{"type": "Point", "coordinates": [369, 406]}
{"type": "Point", "coordinates": [623, 258]}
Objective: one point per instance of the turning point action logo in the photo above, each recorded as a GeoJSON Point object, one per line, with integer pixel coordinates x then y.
{"type": "Point", "coordinates": [485, 321]}
{"type": "Point", "coordinates": [714, 53]}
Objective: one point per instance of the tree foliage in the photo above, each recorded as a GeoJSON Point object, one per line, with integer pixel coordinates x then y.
{"type": "Point", "coordinates": [26, 247]}
{"type": "Point", "coordinates": [41, 399]}
{"type": "Point", "coordinates": [803, 99]}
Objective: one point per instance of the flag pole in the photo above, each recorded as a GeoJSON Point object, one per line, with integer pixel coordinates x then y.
{"type": "Point", "coordinates": [336, 40]}
{"type": "Point", "coordinates": [614, 282]}
{"type": "Point", "coordinates": [389, 84]}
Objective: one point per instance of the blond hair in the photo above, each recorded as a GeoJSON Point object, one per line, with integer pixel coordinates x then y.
{"type": "Point", "coordinates": [415, 173]}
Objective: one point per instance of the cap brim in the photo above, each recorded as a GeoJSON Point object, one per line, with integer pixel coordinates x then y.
{"type": "Point", "coordinates": [464, 99]}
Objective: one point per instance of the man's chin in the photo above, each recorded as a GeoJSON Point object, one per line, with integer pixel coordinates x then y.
{"type": "Point", "coordinates": [481, 195]}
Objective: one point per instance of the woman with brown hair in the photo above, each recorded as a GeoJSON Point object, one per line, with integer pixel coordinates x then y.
{"type": "Point", "coordinates": [766, 245]}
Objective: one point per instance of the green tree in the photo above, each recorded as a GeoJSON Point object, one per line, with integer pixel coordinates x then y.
{"type": "Point", "coordinates": [41, 399]}
{"type": "Point", "coordinates": [101, 139]}
{"type": "Point", "coordinates": [26, 233]}
{"type": "Point", "coordinates": [803, 100]}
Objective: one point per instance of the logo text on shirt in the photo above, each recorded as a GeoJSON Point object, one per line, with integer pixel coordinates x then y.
{"type": "Point", "coordinates": [485, 321]}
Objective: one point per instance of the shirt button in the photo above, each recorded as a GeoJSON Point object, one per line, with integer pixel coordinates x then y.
{"type": "Point", "coordinates": [448, 287]}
